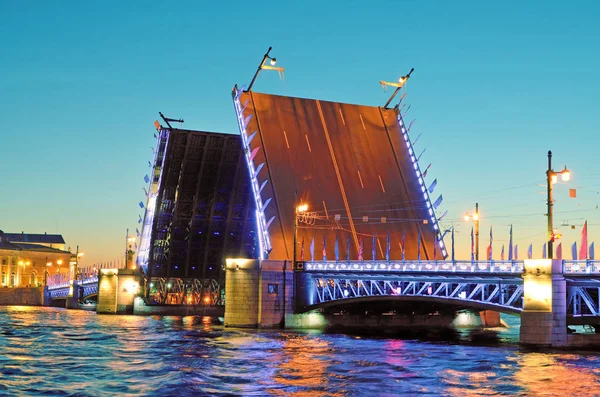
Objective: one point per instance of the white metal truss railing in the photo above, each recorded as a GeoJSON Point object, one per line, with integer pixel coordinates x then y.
{"type": "Point", "coordinates": [507, 267]}
{"type": "Point", "coordinates": [583, 300]}
{"type": "Point", "coordinates": [90, 287]}
{"type": "Point", "coordinates": [503, 293]}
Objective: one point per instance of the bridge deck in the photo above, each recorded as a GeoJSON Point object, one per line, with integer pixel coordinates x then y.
{"type": "Point", "coordinates": [345, 161]}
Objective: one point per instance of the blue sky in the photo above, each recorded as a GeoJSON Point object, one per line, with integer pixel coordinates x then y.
{"type": "Point", "coordinates": [496, 85]}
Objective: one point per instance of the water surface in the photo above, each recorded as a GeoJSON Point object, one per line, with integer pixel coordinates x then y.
{"type": "Point", "coordinates": [49, 351]}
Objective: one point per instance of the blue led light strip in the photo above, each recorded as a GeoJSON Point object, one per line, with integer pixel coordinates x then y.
{"type": "Point", "coordinates": [424, 190]}
{"type": "Point", "coordinates": [263, 234]}
{"type": "Point", "coordinates": [146, 237]}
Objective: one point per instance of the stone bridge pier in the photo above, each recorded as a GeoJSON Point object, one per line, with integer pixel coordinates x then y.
{"type": "Point", "coordinates": [544, 316]}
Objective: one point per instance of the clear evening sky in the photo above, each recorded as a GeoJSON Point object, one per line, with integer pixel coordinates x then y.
{"type": "Point", "coordinates": [496, 85]}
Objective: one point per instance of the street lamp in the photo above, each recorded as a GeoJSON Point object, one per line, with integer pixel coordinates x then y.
{"type": "Point", "coordinates": [263, 65]}
{"type": "Point", "coordinates": [551, 179]}
{"type": "Point", "coordinates": [398, 86]}
{"type": "Point", "coordinates": [475, 217]}
{"type": "Point", "coordinates": [298, 210]}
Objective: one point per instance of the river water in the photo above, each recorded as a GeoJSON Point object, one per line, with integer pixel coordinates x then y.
{"type": "Point", "coordinates": [56, 352]}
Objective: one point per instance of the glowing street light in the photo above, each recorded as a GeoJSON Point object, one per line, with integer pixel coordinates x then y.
{"type": "Point", "coordinates": [398, 86]}
{"type": "Point", "coordinates": [263, 65]}
{"type": "Point", "coordinates": [551, 179]}
{"type": "Point", "coordinates": [298, 210]}
{"type": "Point", "coordinates": [475, 218]}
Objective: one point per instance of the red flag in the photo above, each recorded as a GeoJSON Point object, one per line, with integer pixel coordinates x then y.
{"type": "Point", "coordinates": [583, 250]}
{"type": "Point", "coordinates": [559, 251]}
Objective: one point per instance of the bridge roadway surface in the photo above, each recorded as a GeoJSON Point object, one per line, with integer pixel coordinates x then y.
{"type": "Point", "coordinates": [342, 159]}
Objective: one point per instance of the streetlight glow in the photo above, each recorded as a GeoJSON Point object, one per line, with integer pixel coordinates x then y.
{"type": "Point", "coordinates": [475, 217]}
{"type": "Point", "coordinates": [302, 208]}
{"type": "Point", "coordinates": [552, 178]}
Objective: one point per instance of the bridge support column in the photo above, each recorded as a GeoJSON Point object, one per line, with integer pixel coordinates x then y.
{"type": "Point", "coordinates": [259, 294]}
{"type": "Point", "coordinates": [544, 316]}
{"type": "Point", "coordinates": [73, 297]}
{"type": "Point", "coordinates": [116, 290]}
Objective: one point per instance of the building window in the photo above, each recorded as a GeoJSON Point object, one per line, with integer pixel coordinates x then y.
{"type": "Point", "coordinates": [33, 279]}
{"type": "Point", "coordinates": [272, 288]}
{"type": "Point", "coordinates": [3, 278]}
{"type": "Point", "coordinates": [13, 279]}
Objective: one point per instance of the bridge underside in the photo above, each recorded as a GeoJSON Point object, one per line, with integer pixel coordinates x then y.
{"type": "Point", "coordinates": [354, 168]}
{"type": "Point", "coordinates": [200, 207]}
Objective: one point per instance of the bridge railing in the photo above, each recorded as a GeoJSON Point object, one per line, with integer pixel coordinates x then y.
{"type": "Point", "coordinates": [436, 266]}
{"type": "Point", "coordinates": [441, 266]}
{"type": "Point", "coordinates": [585, 266]}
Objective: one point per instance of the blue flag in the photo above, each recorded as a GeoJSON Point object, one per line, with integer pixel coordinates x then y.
{"type": "Point", "coordinates": [530, 251]}
{"type": "Point", "coordinates": [592, 251]}
{"type": "Point", "coordinates": [432, 186]}
{"type": "Point", "coordinates": [453, 244]}
{"type": "Point", "coordinates": [146, 178]}
{"type": "Point", "coordinates": [545, 250]}
{"type": "Point", "coordinates": [418, 243]}
{"type": "Point", "coordinates": [141, 205]}
{"type": "Point", "coordinates": [337, 250]}
{"type": "Point", "coordinates": [312, 250]}
{"type": "Point", "coordinates": [510, 245]}
{"type": "Point", "coordinates": [387, 250]}
{"type": "Point", "coordinates": [374, 248]}
{"type": "Point", "coordinates": [437, 202]}
{"type": "Point", "coordinates": [348, 248]}
{"type": "Point", "coordinates": [403, 235]}
{"type": "Point", "coordinates": [574, 251]}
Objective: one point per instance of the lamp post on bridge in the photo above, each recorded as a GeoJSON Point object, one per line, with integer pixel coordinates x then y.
{"type": "Point", "coordinates": [475, 217]}
{"type": "Point", "coordinates": [299, 209]}
{"type": "Point", "coordinates": [263, 65]}
{"type": "Point", "coordinates": [551, 179]}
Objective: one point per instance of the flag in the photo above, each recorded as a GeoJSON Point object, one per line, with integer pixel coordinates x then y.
{"type": "Point", "coordinates": [516, 252]}
{"type": "Point", "coordinates": [584, 244]}
{"type": "Point", "coordinates": [443, 215]}
{"type": "Point", "coordinates": [312, 250]}
{"type": "Point", "coordinates": [530, 251]}
{"type": "Point", "coordinates": [559, 251]}
{"type": "Point", "coordinates": [418, 243]}
{"type": "Point", "coordinates": [438, 202]}
{"type": "Point", "coordinates": [146, 178]}
{"type": "Point", "coordinates": [387, 249]}
{"type": "Point", "coordinates": [403, 235]}
{"type": "Point", "coordinates": [434, 246]}
{"type": "Point", "coordinates": [472, 246]}
{"type": "Point", "coordinates": [453, 245]}
{"type": "Point", "coordinates": [510, 246]}
{"type": "Point", "coordinates": [574, 251]}
{"type": "Point", "coordinates": [572, 193]}
{"type": "Point", "coordinates": [337, 250]}
{"type": "Point", "coordinates": [360, 249]}
{"type": "Point", "coordinates": [592, 251]}
{"type": "Point", "coordinates": [425, 172]}
{"type": "Point", "coordinates": [139, 219]}
{"type": "Point", "coordinates": [502, 253]}
{"type": "Point", "coordinates": [141, 205]}
{"type": "Point", "coordinates": [324, 249]}
{"type": "Point", "coordinates": [544, 251]}
{"type": "Point", "coordinates": [373, 249]}
{"type": "Point", "coordinates": [490, 246]}
{"type": "Point", "coordinates": [302, 250]}
{"type": "Point", "coordinates": [348, 248]}
{"type": "Point", "coordinates": [432, 186]}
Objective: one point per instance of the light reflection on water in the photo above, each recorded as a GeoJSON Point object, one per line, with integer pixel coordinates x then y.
{"type": "Point", "coordinates": [58, 352]}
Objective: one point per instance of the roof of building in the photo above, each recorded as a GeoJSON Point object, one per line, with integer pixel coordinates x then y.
{"type": "Point", "coordinates": [30, 238]}
{"type": "Point", "coordinates": [8, 245]}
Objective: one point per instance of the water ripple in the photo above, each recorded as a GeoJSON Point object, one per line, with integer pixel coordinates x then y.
{"type": "Point", "coordinates": [55, 352]}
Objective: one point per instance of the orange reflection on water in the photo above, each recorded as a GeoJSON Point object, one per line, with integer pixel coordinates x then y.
{"type": "Point", "coordinates": [469, 383]}
{"type": "Point", "coordinates": [543, 375]}
{"type": "Point", "coordinates": [303, 362]}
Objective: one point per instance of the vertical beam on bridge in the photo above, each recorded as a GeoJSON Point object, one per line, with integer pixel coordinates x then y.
{"type": "Point", "coordinates": [544, 316]}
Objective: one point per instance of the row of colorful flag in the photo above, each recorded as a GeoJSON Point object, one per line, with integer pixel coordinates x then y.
{"type": "Point", "coordinates": [585, 251]}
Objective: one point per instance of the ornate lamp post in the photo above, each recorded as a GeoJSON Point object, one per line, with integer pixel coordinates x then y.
{"type": "Point", "coordinates": [475, 217]}
{"type": "Point", "coordinates": [551, 179]}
